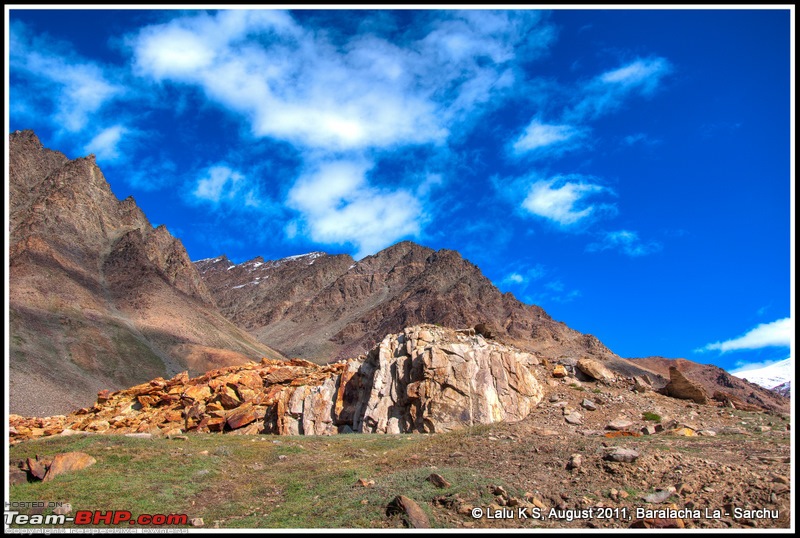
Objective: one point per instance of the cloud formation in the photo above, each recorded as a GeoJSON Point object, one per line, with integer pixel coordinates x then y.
{"type": "Point", "coordinates": [624, 241]}
{"type": "Point", "coordinates": [608, 91]}
{"type": "Point", "coordinates": [563, 200]}
{"type": "Point", "coordinates": [338, 205]}
{"type": "Point", "coordinates": [220, 183]}
{"type": "Point", "coordinates": [77, 89]}
{"type": "Point", "coordinates": [777, 333]}
{"type": "Point", "coordinates": [555, 138]}
{"type": "Point", "coordinates": [334, 93]}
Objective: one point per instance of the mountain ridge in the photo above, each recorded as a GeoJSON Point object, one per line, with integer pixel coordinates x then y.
{"type": "Point", "coordinates": [99, 298]}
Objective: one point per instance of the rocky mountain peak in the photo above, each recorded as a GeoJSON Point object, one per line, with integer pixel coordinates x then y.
{"type": "Point", "coordinates": [99, 298]}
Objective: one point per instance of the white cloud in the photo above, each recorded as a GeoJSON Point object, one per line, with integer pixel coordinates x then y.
{"type": "Point", "coordinates": [222, 184]}
{"type": "Point", "coordinates": [301, 86]}
{"type": "Point", "coordinates": [606, 92]}
{"type": "Point", "coordinates": [513, 278]}
{"type": "Point", "coordinates": [539, 135]}
{"type": "Point", "coordinates": [338, 205]}
{"type": "Point", "coordinates": [625, 241]}
{"type": "Point", "coordinates": [106, 144]}
{"type": "Point", "coordinates": [777, 333]}
{"type": "Point", "coordinates": [563, 200]}
{"type": "Point", "coordinates": [76, 89]}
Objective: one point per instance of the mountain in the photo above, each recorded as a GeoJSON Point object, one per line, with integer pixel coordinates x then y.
{"type": "Point", "coordinates": [770, 376]}
{"type": "Point", "coordinates": [98, 298]}
{"type": "Point", "coordinates": [778, 374]}
{"type": "Point", "coordinates": [715, 380]}
{"type": "Point", "coordinates": [322, 307]}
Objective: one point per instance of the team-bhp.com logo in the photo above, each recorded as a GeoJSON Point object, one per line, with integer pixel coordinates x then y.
{"type": "Point", "coordinates": [95, 517]}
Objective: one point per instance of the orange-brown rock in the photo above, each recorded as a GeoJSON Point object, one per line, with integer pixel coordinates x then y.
{"type": "Point", "coordinates": [70, 461]}
{"type": "Point", "coordinates": [680, 386]}
{"type": "Point", "coordinates": [425, 379]}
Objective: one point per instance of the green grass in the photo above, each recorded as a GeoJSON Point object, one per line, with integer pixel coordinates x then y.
{"type": "Point", "coordinates": [239, 481]}
{"type": "Point", "coordinates": [654, 417]}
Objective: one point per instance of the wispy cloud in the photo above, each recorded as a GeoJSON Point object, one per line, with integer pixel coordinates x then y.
{"type": "Point", "coordinates": [522, 277]}
{"type": "Point", "coordinates": [777, 333]}
{"type": "Point", "coordinates": [625, 241]}
{"type": "Point", "coordinates": [76, 90]}
{"type": "Point", "coordinates": [220, 183]}
{"type": "Point", "coordinates": [553, 138]}
{"type": "Point", "coordinates": [106, 144]}
{"type": "Point", "coordinates": [608, 91]}
{"type": "Point", "coordinates": [304, 87]}
{"type": "Point", "coordinates": [563, 200]}
{"type": "Point", "coordinates": [338, 205]}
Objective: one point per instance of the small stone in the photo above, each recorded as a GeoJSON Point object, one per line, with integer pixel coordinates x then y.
{"type": "Point", "coordinates": [438, 480]}
{"type": "Point", "coordinates": [575, 462]}
{"type": "Point", "coordinates": [412, 514]}
{"type": "Point", "coordinates": [778, 479]}
{"type": "Point", "coordinates": [623, 455]}
{"type": "Point", "coordinates": [283, 457]}
{"type": "Point", "coordinates": [574, 418]}
{"type": "Point", "coordinates": [498, 490]}
{"type": "Point", "coordinates": [648, 430]}
{"type": "Point", "coordinates": [364, 483]}
{"type": "Point", "coordinates": [17, 476]}
{"type": "Point", "coordinates": [196, 522]}
{"type": "Point", "coordinates": [619, 424]}
{"type": "Point", "coordinates": [589, 405]}
{"type": "Point", "coordinates": [559, 371]}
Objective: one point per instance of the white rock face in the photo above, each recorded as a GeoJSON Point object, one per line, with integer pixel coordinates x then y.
{"type": "Point", "coordinates": [433, 379]}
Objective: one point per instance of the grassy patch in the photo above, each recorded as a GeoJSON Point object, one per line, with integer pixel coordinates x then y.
{"type": "Point", "coordinates": [654, 417]}
{"type": "Point", "coordinates": [243, 481]}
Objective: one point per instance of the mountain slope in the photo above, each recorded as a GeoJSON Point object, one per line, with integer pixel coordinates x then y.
{"type": "Point", "coordinates": [715, 379]}
{"type": "Point", "coordinates": [322, 307]}
{"type": "Point", "coordinates": [98, 298]}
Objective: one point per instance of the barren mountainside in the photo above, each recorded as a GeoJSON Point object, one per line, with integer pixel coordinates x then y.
{"type": "Point", "coordinates": [321, 307]}
{"type": "Point", "coordinates": [99, 299]}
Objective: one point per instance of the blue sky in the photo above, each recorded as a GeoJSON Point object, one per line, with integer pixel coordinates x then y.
{"type": "Point", "coordinates": [628, 170]}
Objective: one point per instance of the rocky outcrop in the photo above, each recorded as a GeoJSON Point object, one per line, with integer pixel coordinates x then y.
{"type": "Point", "coordinates": [425, 379]}
{"type": "Point", "coordinates": [680, 386]}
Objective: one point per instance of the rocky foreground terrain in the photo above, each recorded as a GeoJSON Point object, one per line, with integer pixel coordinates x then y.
{"type": "Point", "coordinates": [541, 444]}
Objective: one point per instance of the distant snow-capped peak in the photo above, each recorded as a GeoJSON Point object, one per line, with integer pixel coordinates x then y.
{"type": "Point", "coordinates": [770, 376]}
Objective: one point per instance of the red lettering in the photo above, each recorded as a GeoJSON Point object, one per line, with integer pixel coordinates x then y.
{"type": "Point", "coordinates": [121, 516]}
{"type": "Point", "coordinates": [83, 517]}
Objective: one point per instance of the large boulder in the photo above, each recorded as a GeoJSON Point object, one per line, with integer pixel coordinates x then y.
{"type": "Point", "coordinates": [680, 386]}
{"type": "Point", "coordinates": [595, 370]}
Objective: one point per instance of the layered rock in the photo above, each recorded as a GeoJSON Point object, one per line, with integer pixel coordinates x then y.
{"type": "Point", "coordinates": [680, 386]}
{"type": "Point", "coordinates": [425, 379]}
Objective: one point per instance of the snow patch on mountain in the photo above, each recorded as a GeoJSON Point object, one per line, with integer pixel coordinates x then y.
{"type": "Point", "coordinates": [769, 376]}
